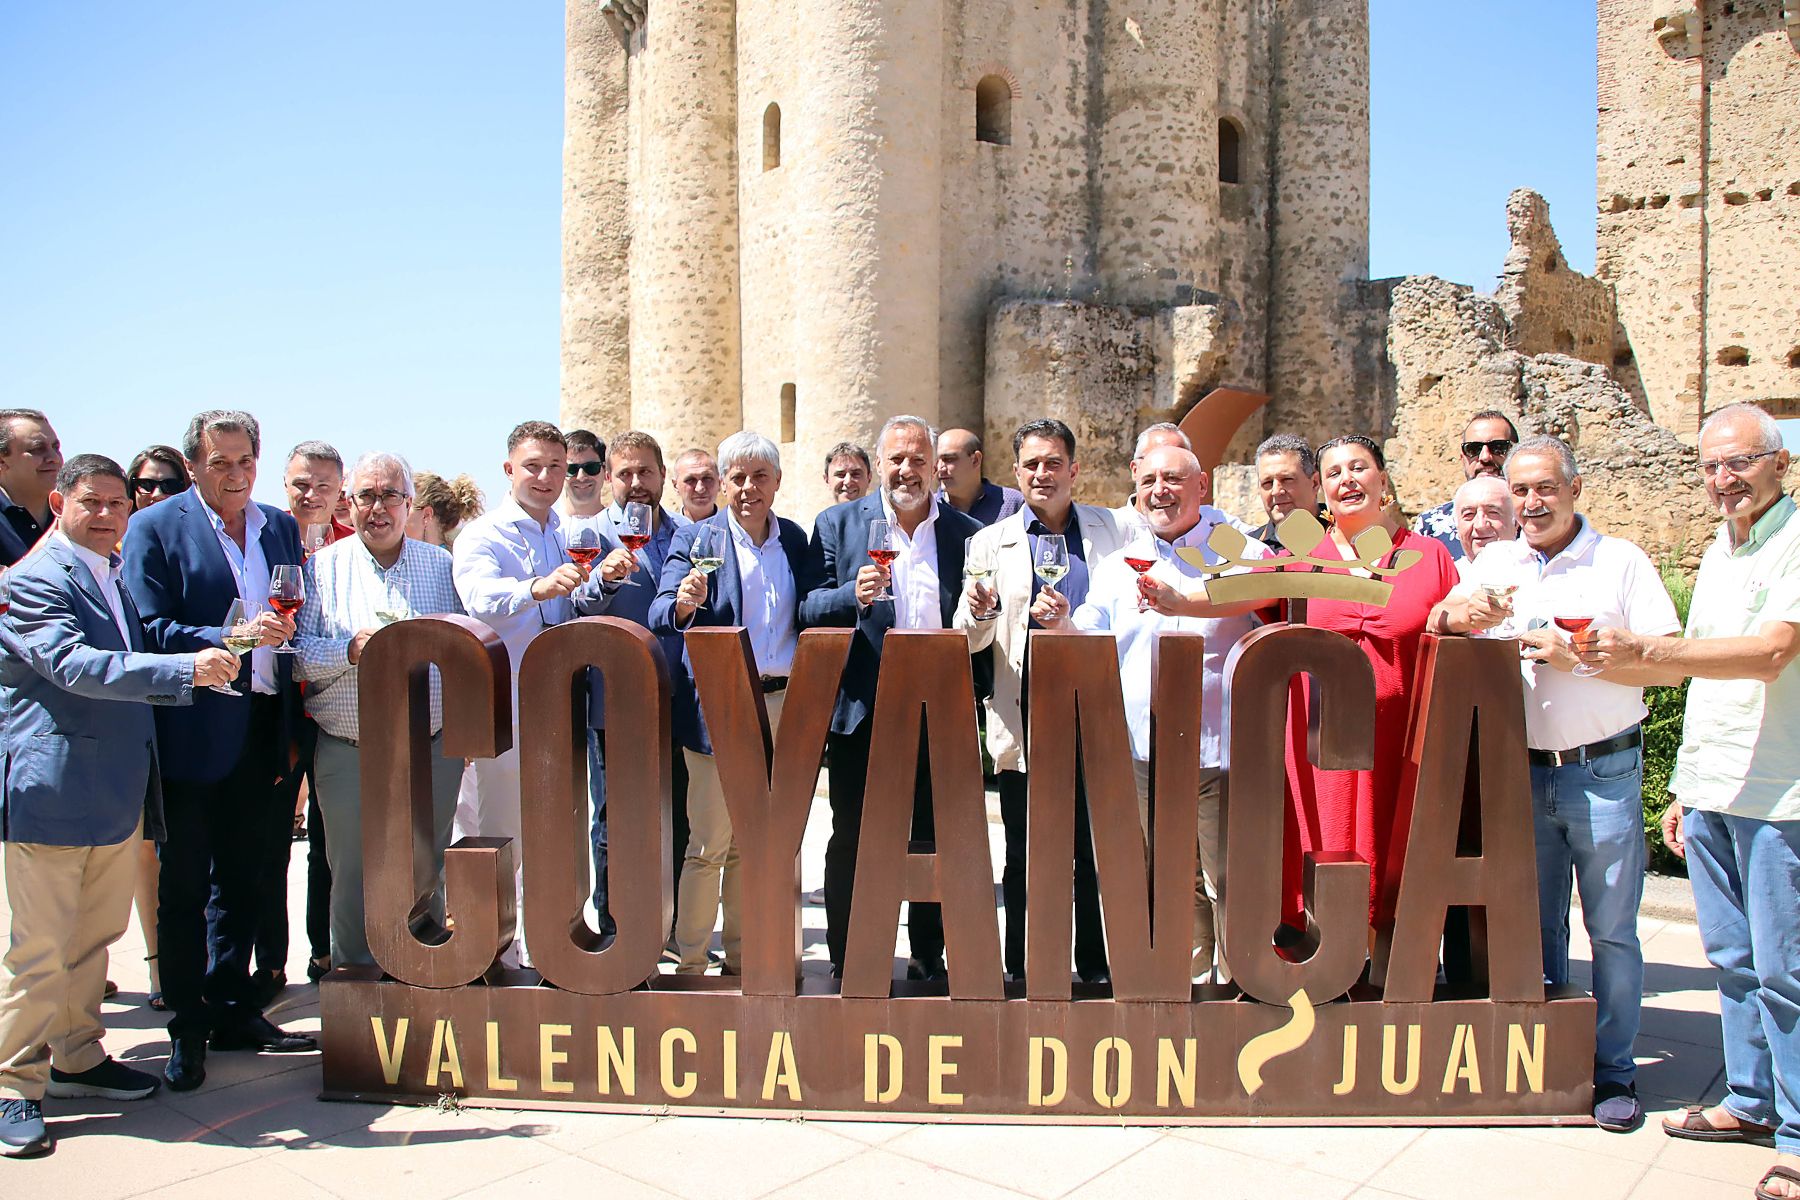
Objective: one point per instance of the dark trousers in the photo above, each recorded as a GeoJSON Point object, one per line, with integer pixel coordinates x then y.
{"type": "Point", "coordinates": [1090, 934]}
{"type": "Point", "coordinates": [678, 786]}
{"type": "Point", "coordinates": [318, 877]}
{"type": "Point", "coordinates": [218, 846]}
{"type": "Point", "coordinates": [847, 772]}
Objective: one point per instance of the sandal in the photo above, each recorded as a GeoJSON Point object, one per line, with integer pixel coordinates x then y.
{"type": "Point", "coordinates": [1691, 1125]}
{"type": "Point", "coordinates": [154, 1001]}
{"type": "Point", "coordinates": [1786, 1175]}
{"type": "Point", "coordinates": [299, 834]}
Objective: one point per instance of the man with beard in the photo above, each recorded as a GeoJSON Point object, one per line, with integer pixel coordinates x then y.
{"type": "Point", "coordinates": [924, 579]}
{"type": "Point", "coordinates": [1486, 439]}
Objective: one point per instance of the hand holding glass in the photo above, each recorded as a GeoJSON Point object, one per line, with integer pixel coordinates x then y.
{"type": "Point", "coordinates": [636, 531]}
{"type": "Point", "coordinates": [287, 594]}
{"type": "Point", "coordinates": [883, 552]}
{"type": "Point", "coordinates": [978, 568]}
{"type": "Point", "coordinates": [1051, 557]}
{"type": "Point", "coordinates": [240, 633]}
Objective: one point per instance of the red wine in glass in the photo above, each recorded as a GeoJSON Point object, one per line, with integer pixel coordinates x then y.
{"type": "Point", "coordinates": [287, 606]}
{"type": "Point", "coordinates": [883, 557]}
{"type": "Point", "coordinates": [1573, 624]}
{"type": "Point", "coordinates": [584, 556]}
{"type": "Point", "coordinates": [634, 541]}
{"type": "Point", "coordinates": [1140, 565]}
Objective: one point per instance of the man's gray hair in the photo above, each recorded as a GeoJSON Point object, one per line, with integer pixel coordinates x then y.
{"type": "Point", "coordinates": [1768, 431]}
{"type": "Point", "coordinates": [319, 451]}
{"type": "Point", "coordinates": [931, 434]}
{"type": "Point", "coordinates": [8, 416]}
{"type": "Point", "coordinates": [1555, 447]}
{"type": "Point", "coordinates": [378, 460]}
{"type": "Point", "coordinates": [220, 420]}
{"type": "Point", "coordinates": [746, 446]}
{"type": "Point", "coordinates": [1290, 443]}
{"type": "Point", "coordinates": [1143, 439]}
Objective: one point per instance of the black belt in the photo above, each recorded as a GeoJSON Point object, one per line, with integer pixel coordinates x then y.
{"type": "Point", "coordinates": [773, 683]}
{"type": "Point", "coordinates": [1612, 745]}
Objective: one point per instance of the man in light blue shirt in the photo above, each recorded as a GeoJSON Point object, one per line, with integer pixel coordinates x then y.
{"type": "Point", "coordinates": [1170, 485]}
{"type": "Point", "coordinates": [353, 587]}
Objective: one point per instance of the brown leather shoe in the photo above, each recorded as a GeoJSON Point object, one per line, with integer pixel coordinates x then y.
{"type": "Point", "coordinates": [1691, 1125]}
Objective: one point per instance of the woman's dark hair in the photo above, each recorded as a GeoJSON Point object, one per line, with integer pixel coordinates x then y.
{"type": "Point", "coordinates": [1354, 439]}
{"type": "Point", "coordinates": [167, 456]}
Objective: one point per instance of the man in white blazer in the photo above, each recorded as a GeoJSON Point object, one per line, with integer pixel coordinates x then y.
{"type": "Point", "coordinates": [1000, 612]}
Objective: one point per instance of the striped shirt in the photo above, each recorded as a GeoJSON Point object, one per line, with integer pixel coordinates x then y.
{"type": "Point", "coordinates": [345, 590]}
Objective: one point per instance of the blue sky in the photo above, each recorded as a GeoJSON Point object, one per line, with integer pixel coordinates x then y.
{"type": "Point", "coordinates": [345, 216]}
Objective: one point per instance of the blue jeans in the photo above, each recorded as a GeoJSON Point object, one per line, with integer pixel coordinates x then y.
{"type": "Point", "coordinates": [603, 919]}
{"type": "Point", "coordinates": [1746, 877]}
{"type": "Point", "coordinates": [1589, 818]}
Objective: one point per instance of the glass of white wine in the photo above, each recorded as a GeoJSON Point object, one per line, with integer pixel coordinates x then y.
{"type": "Point", "coordinates": [708, 551]}
{"type": "Point", "coordinates": [978, 567]}
{"type": "Point", "coordinates": [1050, 559]}
{"type": "Point", "coordinates": [395, 603]}
{"type": "Point", "coordinates": [240, 633]}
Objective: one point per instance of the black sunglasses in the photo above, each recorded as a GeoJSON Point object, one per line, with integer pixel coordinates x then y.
{"type": "Point", "coordinates": [167, 487]}
{"type": "Point", "coordinates": [1498, 448]}
{"type": "Point", "coordinates": [587, 468]}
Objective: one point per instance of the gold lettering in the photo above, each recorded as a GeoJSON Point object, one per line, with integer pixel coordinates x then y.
{"type": "Point", "coordinates": [1519, 1057]}
{"type": "Point", "coordinates": [495, 1080]}
{"type": "Point", "coordinates": [938, 1069]}
{"type": "Point", "coordinates": [731, 1064]}
{"type": "Point", "coordinates": [1040, 1096]}
{"type": "Point", "coordinates": [390, 1053]}
{"type": "Point", "coordinates": [1394, 1085]}
{"type": "Point", "coordinates": [780, 1071]}
{"type": "Point", "coordinates": [1462, 1063]}
{"type": "Point", "coordinates": [1347, 1084]}
{"type": "Point", "coordinates": [549, 1056]}
{"type": "Point", "coordinates": [444, 1055]}
{"type": "Point", "coordinates": [618, 1060]}
{"type": "Point", "coordinates": [1104, 1050]}
{"type": "Point", "coordinates": [1176, 1071]}
{"type": "Point", "coordinates": [682, 1089]}
{"type": "Point", "coordinates": [877, 1049]}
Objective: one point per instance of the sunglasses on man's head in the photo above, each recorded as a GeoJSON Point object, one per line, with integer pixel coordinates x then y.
{"type": "Point", "coordinates": [167, 487]}
{"type": "Point", "coordinates": [1498, 448]}
{"type": "Point", "coordinates": [587, 468]}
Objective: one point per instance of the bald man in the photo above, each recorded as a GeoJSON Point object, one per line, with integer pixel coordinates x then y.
{"type": "Point", "coordinates": [1483, 508]}
{"type": "Point", "coordinates": [959, 475]}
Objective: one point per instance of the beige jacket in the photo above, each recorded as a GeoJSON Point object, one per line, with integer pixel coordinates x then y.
{"type": "Point", "coordinates": [1007, 633]}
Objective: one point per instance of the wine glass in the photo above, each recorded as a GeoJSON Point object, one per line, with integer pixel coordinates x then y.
{"type": "Point", "coordinates": [287, 593]}
{"type": "Point", "coordinates": [978, 567]}
{"type": "Point", "coordinates": [708, 551]}
{"type": "Point", "coordinates": [240, 634]}
{"type": "Point", "coordinates": [584, 546]}
{"type": "Point", "coordinates": [635, 532]}
{"type": "Point", "coordinates": [1050, 559]}
{"type": "Point", "coordinates": [396, 600]}
{"type": "Point", "coordinates": [313, 539]}
{"type": "Point", "coordinates": [883, 552]}
{"type": "Point", "coordinates": [1573, 617]}
{"type": "Point", "coordinates": [1140, 553]}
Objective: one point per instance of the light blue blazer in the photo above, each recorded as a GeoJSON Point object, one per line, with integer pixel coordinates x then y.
{"type": "Point", "coordinates": [80, 763]}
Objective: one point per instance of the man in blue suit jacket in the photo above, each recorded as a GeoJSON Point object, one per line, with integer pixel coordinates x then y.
{"type": "Point", "coordinates": [762, 575]}
{"type": "Point", "coordinates": [78, 791]}
{"type": "Point", "coordinates": [223, 758]}
{"type": "Point", "coordinates": [925, 580]}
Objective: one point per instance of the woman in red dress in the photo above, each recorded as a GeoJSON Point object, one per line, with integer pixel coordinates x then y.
{"type": "Point", "coordinates": [1355, 810]}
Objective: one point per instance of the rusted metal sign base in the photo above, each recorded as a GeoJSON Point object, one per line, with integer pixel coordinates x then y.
{"type": "Point", "coordinates": [1448, 1062]}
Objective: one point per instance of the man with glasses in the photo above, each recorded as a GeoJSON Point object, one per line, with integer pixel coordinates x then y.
{"type": "Point", "coordinates": [1737, 779]}
{"type": "Point", "coordinates": [584, 496]}
{"type": "Point", "coordinates": [353, 588]}
{"type": "Point", "coordinates": [1486, 440]}
{"type": "Point", "coordinates": [30, 457]}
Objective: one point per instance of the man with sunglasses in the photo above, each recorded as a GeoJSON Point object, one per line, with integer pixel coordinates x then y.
{"type": "Point", "coordinates": [1486, 440]}
{"type": "Point", "coordinates": [584, 495]}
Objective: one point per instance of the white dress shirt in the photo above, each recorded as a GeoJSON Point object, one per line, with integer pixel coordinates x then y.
{"type": "Point", "coordinates": [769, 603]}
{"type": "Point", "coordinates": [106, 573]}
{"type": "Point", "coordinates": [251, 570]}
{"type": "Point", "coordinates": [1112, 606]}
{"type": "Point", "coordinates": [915, 573]}
{"type": "Point", "coordinates": [497, 556]}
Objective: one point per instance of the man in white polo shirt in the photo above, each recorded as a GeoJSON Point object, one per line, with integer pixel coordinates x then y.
{"type": "Point", "coordinates": [1587, 759]}
{"type": "Point", "coordinates": [1737, 780]}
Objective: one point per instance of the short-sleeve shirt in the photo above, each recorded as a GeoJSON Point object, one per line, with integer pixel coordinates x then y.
{"type": "Point", "coordinates": [1740, 747]}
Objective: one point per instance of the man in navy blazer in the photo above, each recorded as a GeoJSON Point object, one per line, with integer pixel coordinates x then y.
{"type": "Point", "coordinates": [925, 580]}
{"type": "Point", "coordinates": [763, 572]}
{"type": "Point", "coordinates": [223, 758]}
{"type": "Point", "coordinates": [78, 792]}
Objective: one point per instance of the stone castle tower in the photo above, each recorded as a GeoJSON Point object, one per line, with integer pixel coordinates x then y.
{"type": "Point", "coordinates": [803, 218]}
{"type": "Point", "coordinates": [1699, 187]}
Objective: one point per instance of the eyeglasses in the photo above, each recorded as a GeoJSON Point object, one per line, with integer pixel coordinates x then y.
{"type": "Point", "coordinates": [1737, 464]}
{"type": "Point", "coordinates": [587, 468]}
{"type": "Point", "coordinates": [144, 485]}
{"type": "Point", "coordinates": [1498, 448]}
{"type": "Point", "coordinates": [387, 499]}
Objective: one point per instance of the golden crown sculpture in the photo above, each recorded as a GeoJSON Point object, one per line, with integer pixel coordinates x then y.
{"type": "Point", "coordinates": [1300, 577]}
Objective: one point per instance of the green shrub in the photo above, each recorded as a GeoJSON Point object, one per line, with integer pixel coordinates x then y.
{"type": "Point", "coordinates": [1662, 736]}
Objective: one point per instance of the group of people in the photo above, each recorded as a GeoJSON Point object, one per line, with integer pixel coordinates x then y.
{"type": "Point", "coordinates": [121, 581]}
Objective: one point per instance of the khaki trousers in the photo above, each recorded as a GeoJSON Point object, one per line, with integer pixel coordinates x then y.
{"type": "Point", "coordinates": [709, 873]}
{"type": "Point", "coordinates": [69, 903]}
{"type": "Point", "coordinates": [1209, 873]}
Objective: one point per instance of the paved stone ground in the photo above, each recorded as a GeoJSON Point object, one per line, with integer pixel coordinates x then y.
{"type": "Point", "coordinates": [257, 1129]}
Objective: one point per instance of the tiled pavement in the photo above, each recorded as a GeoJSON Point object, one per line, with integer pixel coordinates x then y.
{"type": "Point", "coordinates": [257, 1129]}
